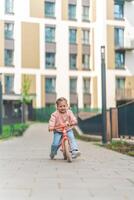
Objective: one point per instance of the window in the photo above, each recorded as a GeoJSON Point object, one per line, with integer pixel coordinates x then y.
{"type": "Point", "coordinates": [73, 85]}
{"type": "Point", "coordinates": [72, 61]}
{"type": "Point", "coordinates": [119, 37]}
{"type": "Point", "coordinates": [9, 84]}
{"type": "Point", "coordinates": [86, 85]}
{"type": "Point", "coordinates": [119, 60]}
{"type": "Point", "coordinates": [50, 105]}
{"type": "Point", "coordinates": [74, 107]}
{"type": "Point", "coordinates": [85, 61]}
{"type": "Point", "coordinates": [50, 60]}
{"type": "Point", "coordinates": [50, 85]}
{"type": "Point", "coordinates": [72, 11]}
{"type": "Point", "coordinates": [72, 36]}
{"type": "Point", "coordinates": [49, 9]}
{"type": "Point", "coordinates": [9, 28]}
{"type": "Point", "coordinates": [87, 106]}
{"type": "Point", "coordinates": [118, 10]}
{"type": "Point", "coordinates": [9, 6]}
{"type": "Point", "coordinates": [85, 36]}
{"type": "Point", "coordinates": [50, 34]}
{"type": "Point", "coordinates": [85, 13]}
{"type": "Point", "coordinates": [120, 83]}
{"type": "Point", "coordinates": [9, 54]}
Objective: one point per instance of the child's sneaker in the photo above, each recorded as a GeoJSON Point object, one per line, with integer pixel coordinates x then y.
{"type": "Point", "coordinates": [52, 155]}
{"type": "Point", "coordinates": [75, 153]}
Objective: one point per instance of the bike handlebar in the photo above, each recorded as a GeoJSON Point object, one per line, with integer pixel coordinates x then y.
{"type": "Point", "coordinates": [63, 126]}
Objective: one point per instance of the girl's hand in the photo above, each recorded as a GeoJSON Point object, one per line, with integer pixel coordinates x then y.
{"type": "Point", "coordinates": [50, 129]}
{"type": "Point", "coordinates": [67, 123]}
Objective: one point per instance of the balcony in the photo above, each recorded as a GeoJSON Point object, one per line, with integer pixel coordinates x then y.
{"type": "Point", "coordinates": [87, 98]}
{"type": "Point", "coordinates": [73, 98]}
{"type": "Point", "coordinates": [124, 94]}
{"type": "Point", "coordinates": [50, 97]}
{"type": "Point", "coordinates": [127, 46]}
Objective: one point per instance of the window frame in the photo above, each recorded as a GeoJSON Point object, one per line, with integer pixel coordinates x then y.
{"type": "Point", "coordinates": [50, 59]}
{"type": "Point", "coordinates": [51, 12]}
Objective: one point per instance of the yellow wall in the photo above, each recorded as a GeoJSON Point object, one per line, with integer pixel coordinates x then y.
{"type": "Point", "coordinates": [93, 10]}
{"type": "Point", "coordinates": [64, 9]}
{"type": "Point", "coordinates": [79, 48]}
{"type": "Point", "coordinates": [110, 48]}
{"type": "Point", "coordinates": [37, 8]}
{"type": "Point", "coordinates": [30, 45]}
{"type": "Point", "coordinates": [1, 43]}
{"type": "Point", "coordinates": [129, 82]}
{"type": "Point", "coordinates": [110, 9]}
{"type": "Point", "coordinates": [94, 96]}
{"type": "Point", "coordinates": [32, 91]}
{"type": "Point", "coordinates": [42, 91]}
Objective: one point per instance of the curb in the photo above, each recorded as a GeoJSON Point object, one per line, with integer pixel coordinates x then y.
{"type": "Point", "coordinates": [86, 137]}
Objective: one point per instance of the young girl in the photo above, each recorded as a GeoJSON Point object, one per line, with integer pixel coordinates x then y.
{"type": "Point", "coordinates": [62, 116]}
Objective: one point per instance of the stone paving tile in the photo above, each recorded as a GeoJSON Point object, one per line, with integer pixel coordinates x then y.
{"type": "Point", "coordinates": [27, 173]}
{"type": "Point", "coordinates": [14, 193]}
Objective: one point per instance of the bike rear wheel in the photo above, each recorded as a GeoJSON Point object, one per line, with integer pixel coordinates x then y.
{"type": "Point", "coordinates": [67, 151]}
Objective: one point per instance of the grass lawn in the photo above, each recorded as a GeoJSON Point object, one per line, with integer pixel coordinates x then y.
{"type": "Point", "coordinates": [121, 147]}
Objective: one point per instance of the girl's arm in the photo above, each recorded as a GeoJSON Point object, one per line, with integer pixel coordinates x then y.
{"type": "Point", "coordinates": [52, 121]}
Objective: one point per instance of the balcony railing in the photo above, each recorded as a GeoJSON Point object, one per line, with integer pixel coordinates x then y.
{"type": "Point", "coordinates": [124, 94]}
{"type": "Point", "coordinates": [50, 97]}
{"type": "Point", "coordinates": [129, 43]}
{"type": "Point", "coordinates": [87, 98]}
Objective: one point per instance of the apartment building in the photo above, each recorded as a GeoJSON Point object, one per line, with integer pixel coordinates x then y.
{"type": "Point", "coordinates": [55, 45]}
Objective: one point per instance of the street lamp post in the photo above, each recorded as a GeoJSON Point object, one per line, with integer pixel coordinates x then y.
{"type": "Point", "coordinates": [0, 106]}
{"type": "Point", "coordinates": [104, 107]}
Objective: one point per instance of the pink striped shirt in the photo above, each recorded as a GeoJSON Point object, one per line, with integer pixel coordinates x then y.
{"type": "Point", "coordinates": [58, 119]}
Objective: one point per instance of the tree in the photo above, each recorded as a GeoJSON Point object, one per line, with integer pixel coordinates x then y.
{"type": "Point", "coordinates": [26, 98]}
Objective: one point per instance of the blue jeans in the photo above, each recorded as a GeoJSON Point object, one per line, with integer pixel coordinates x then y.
{"type": "Point", "coordinates": [57, 141]}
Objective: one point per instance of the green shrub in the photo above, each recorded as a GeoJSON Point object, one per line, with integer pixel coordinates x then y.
{"type": "Point", "coordinates": [13, 130]}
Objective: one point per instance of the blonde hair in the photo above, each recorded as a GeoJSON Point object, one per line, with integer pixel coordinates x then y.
{"type": "Point", "coordinates": [60, 99]}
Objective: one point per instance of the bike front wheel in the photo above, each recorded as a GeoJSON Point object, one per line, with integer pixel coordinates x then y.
{"type": "Point", "coordinates": [67, 151]}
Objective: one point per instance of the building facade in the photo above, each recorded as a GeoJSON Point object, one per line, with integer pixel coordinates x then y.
{"type": "Point", "coordinates": [55, 45]}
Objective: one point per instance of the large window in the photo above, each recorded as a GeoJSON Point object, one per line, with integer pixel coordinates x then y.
{"type": "Point", "coordinates": [9, 84]}
{"type": "Point", "coordinates": [72, 36]}
{"type": "Point", "coordinates": [9, 6]}
{"type": "Point", "coordinates": [9, 29]}
{"type": "Point", "coordinates": [72, 61]}
{"type": "Point", "coordinates": [120, 83]}
{"type": "Point", "coordinates": [85, 36]}
{"type": "Point", "coordinates": [119, 37]}
{"type": "Point", "coordinates": [49, 9]}
{"type": "Point", "coordinates": [50, 60]}
{"type": "Point", "coordinates": [72, 11]}
{"type": "Point", "coordinates": [118, 10]}
{"type": "Point", "coordinates": [85, 13]}
{"type": "Point", "coordinates": [50, 34]}
{"type": "Point", "coordinates": [9, 56]}
{"type": "Point", "coordinates": [73, 85]}
{"type": "Point", "coordinates": [86, 85]}
{"type": "Point", "coordinates": [85, 61]}
{"type": "Point", "coordinates": [50, 85]}
{"type": "Point", "coordinates": [119, 60]}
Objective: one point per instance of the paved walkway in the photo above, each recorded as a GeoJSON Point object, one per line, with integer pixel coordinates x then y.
{"type": "Point", "coordinates": [27, 173]}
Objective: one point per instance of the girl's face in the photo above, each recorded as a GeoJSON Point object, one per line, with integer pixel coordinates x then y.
{"type": "Point", "coordinates": [62, 106]}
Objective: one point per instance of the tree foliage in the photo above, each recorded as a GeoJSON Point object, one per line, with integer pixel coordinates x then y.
{"type": "Point", "coordinates": [26, 98]}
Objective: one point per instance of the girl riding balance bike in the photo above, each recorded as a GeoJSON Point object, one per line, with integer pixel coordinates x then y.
{"type": "Point", "coordinates": [61, 122]}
